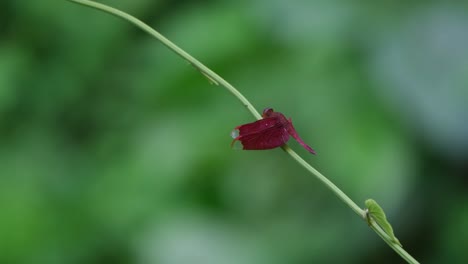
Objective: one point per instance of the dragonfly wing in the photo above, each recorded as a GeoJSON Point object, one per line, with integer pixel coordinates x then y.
{"type": "Point", "coordinates": [268, 138]}
{"type": "Point", "coordinates": [257, 126]}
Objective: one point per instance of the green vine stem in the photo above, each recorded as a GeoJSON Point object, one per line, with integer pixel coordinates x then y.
{"type": "Point", "coordinates": [218, 80]}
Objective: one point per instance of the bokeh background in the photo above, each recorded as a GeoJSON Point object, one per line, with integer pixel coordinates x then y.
{"type": "Point", "coordinates": [115, 150]}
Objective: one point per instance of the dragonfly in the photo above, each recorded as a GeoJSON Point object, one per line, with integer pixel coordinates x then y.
{"type": "Point", "coordinates": [270, 132]}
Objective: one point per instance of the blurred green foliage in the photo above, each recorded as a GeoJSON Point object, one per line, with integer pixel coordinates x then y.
{"type": "Point", "coordinates": [114, 150]}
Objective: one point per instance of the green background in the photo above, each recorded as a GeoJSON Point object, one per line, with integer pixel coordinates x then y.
{"type": "Point", "coordinates": [115, 150]}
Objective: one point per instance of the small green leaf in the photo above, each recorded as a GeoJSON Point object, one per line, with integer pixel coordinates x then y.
{"type": "Point", "coordinates": [207, 76]}
{"type": "Point", "coordinates": [377, 213]}
{"type": "Point", "coordinates": [210, 79]}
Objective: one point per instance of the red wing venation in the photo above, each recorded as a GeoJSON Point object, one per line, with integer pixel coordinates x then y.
{"type": "Point", "coordinates": [262, 134]}
{"type": "Point", "coordinates": [257, 126]}
{"type": "Point", "coordinates": [270, 132]}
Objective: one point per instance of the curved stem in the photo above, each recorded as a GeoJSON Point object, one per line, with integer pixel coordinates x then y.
{"type": "Point", "coordinates": [398, 249]}
{"type": "Point", "coordinates": [212, 76]}
{"type": "Point", "coordinates": [327, 182]}
{"type": "Point", "coordinates": [218, 80]}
